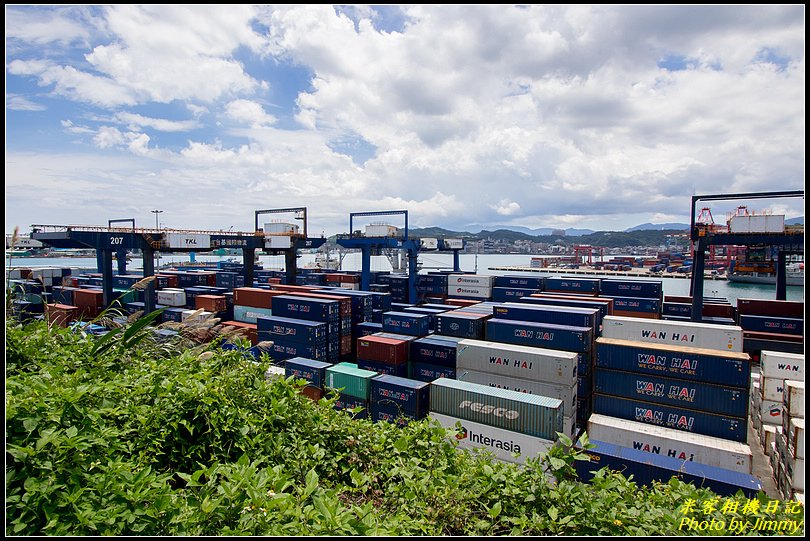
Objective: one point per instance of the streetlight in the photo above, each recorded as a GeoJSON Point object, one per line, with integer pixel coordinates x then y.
{"type": "Point", "coordinates": [157, 253]}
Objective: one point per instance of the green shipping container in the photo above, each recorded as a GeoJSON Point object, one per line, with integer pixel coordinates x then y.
{"type": "Point", "coordinates": [352, 380]}
{"type": "Point", "coordinates": [533, 415]}
{"type": "Point", "coordinates": [129, 296]}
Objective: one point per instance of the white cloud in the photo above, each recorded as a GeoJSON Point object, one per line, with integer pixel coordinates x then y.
{"type": "Point", "coordinates": [34, 26]}
{"type": "Point", "coordinates": [554, 115]}
{"type": "Point", "coordinates": [136, 121]}
{"type": "Point", "coordinates": [506, 207]}
{"type": "Point", "coordinates": [249, 112]}
{"type": "Point", "coordinates": [21, 103]}
{"type": "Point", "coordinates": [73, 128]}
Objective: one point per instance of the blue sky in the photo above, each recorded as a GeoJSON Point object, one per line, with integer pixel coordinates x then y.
{"type": "Point", "coordinates": [536, 116]}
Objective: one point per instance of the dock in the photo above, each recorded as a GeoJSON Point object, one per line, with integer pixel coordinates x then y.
{"type": "Point", "coordinates": [638, 273]}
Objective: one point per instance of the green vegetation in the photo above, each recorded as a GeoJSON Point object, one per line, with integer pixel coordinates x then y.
{"type": "Point", "coordinates": [131, 436]}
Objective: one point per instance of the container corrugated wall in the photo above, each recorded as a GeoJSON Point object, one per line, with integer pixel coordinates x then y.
{"type": "Point", "coordinates": [702, 335]}
{"type": "Point", "coordinates": [531, 363]}
{"type": "Point", "coordinates": [528, 414]}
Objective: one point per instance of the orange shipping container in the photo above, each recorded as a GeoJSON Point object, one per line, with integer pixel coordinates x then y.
{"type": "Point", "coordinates": [211, 303]}
{"type": "Point", "coordinates": [88, 298]}
{"type": "Point", "coordinates": [61, 314]}
{"type": "Point", "coordinates": [254, 296]}
{"type": "Point", "coordinates": [252, 333]}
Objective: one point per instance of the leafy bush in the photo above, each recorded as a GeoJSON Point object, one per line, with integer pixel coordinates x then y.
{"type": "Point", "coordinates": [139, 438]}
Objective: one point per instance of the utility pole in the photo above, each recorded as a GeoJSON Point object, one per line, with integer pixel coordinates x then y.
{"type": "Point", "coordinates": [156, 212]}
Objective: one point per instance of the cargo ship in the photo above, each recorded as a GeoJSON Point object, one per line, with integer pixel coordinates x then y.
{"type": "Point", "coordinates": [794, 271]}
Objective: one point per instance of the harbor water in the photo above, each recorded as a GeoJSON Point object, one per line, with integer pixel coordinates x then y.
{"type": "Point", "coordinates": [478, 263]}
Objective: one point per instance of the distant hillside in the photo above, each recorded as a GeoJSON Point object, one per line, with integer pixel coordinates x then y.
{"type": "Point", "coordinates": [542, 231]}
{"type": "Point", "coordinates": [795, 221]}
{"type": "Point", "coordinates": [647, 226]}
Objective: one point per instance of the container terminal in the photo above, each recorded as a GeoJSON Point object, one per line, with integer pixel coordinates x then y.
{"type": "Point", "coordinates": [688, 386]}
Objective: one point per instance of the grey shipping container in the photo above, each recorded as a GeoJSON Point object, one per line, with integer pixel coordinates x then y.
{"type": "Point", "coordinates": [566, 393]}
{"type": "Point", "coordinates": [528, 414]}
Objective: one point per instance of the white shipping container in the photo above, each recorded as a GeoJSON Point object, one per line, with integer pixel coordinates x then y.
{"type": "Point", "coordinates": [762, 223]}
{"type": "Point", "coordinates": [429, 244]}
{"type": "Point", "coordinates": [796, 438]}
{"type": "Point", "coordinates": [566, 393]}
{"type": "Point", "coordinates": [685, 333]}
{"type": "Point", "coordinates": [708, 450]}
{"type": "Point", "coordinates": [277, 241]}
{"type": "Point", "coordinates": [794, 398]}
{"type": "Point", "coordinates": [773, 389]}
{"type": "Point", "coordinates": [468, 291]}
{"type": "Point", "coordinates": [381, 230]}
{"type": "Point", "coordinates": [171, 297]}
{"type": "Point", "coordinates": [795, 472]}
{"type": "Point", "coordinates": [274, 372]}
{"type": "Point", "coordinates": [502, 443]}
{"type": "Point", "coordinates": [282, 228]}
{"type": "Point", "coordinates": [477, 280]}
{"type": "Point", "coordinates": [767, 435]}
{"type": "Point", "coordinates": [780, 365]}
{"type": "Point", "coordinates": [453, 244]}
{"type": "Point", "coordinates": [350, 285]}
{"type": "Point", "coordinates": [193, 315]}
{"type": "Point", "coordinates": [771, 412]}
{"type": "Point", "coordinates": [525, 362]}
{"type": "Point", "coordinates": [188, 240]}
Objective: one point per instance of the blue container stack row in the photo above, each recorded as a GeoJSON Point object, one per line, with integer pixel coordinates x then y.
{"type": "Point", "coordinates": [634, 298]}
{"type": "Point", "coordinates": [310, 309]}
{"type": "Point", "coordinates": [703, 391]}
{"type": "Point", "coordinates": [434, 357]}
{"type": "Point", "coordinates": [314, 372]}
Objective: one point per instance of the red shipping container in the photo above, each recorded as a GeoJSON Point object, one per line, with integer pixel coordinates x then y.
{"type": "Point", "coordinates": [88, 297]}
{"type": "Point", "coordinates": [718, 310]}
{"type": "Point", "coordinates": [385, 350]}
{"type": "Point", "coordinates": [171, 279]}
{"type": "Point", "coordinates": [768, 307]}
{"type": "Point", "coordinates": [211, 303]}
{"type": "Point", "coordinates": [61, 314]}
{"type": "Point", "coordinates": [313, 393]}
{"type": "Point", "coordinates": [254, 296]}
{"type": "Point", "coordinates": [334, 277]}
{"type": "Point", "coordinates": [345, 345]}
{"type": "Point", "coordinates": [274, 281]}
{"type": "Point", "coordinates": [252, 333]}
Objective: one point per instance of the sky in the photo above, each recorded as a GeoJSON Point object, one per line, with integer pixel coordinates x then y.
{"type": "Point", "coordinates": [597, 117]}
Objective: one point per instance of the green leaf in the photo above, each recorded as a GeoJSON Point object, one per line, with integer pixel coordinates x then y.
{"type": "Point", "coordinates": [401, 444]}
{"type": "Point", "coordinates": [311, 484]}
{"type": "Point", "coordinates": [495, 510]}
{"type": "Point", "coordinates": [71, 432]}
{"type": "Point", "coordinates": [105, 342]}
{"type": "Point", "coordinates": [357, 478]}
{"type": "Point", "coordinates": [565, 440]}
{"type": "Point", "coordinates": [552, 512]}
{"type": "Point", "coordinates": [133, 329]}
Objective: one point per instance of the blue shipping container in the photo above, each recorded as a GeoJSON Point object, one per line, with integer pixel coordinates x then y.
{"type": "Point", "coordinates": [585, 365]}
{"type": "Point", "coordinates": [722, 368]}
{"type": "Point", "coordinates": [405, 394]}
{"type": "Point", "coordinates": [578, 285]}
{"type": "Point", "coordinates": [559, 315]}
{"type": "Point", "coordinates": [406, 323]}
{"type": "Point", "coordinates": [308, 308]}
{"type": "Point", "coordinates": [461, 325]}
{"type": "Point", "coordinates": [173, 314]}
{"type": "Point", "coordinates": [584, 386]}
{"type": "Point", "coordinates": [292, 330]}
{"type": "Point", "coordinates": [545, 335]}
{"type": "Point", "coordinates": [719, 399]}
{"type": "Point", "coordinates": [63, 295]}
{"type": "Point", "coordinates": [433, 350]}
{"type": "Point", "coordinates": [287, 350]}
{"type": "Point", "coordinates": [400, 370]}
{"type": "Point", "coordinates": [688, 420]}
{"type": "Point", "coordinates": [527, 282]}
{"type": "Point", "coordinates": [391, 414]}
{"type": "Point", "coordinates": [311, 370]}
{"type": "Point", "coordinates": [602, 306]}
{"type": "Point", "coordinates": [346, 402]}
{"type": "Point", "coordinates": [780, 325]}
{"type": "Point", "coordinates": [366, 328]}
{"type": "Point", "coordinates": [631, 288]}
{"type": "Point", "coordinates": [430, 372]}
{"type": "Point", "coordinates": [636, 304]}
{"type": "Point", "coordinates": [647, 468]}
{"type": "Point", "coordinates": [503, 294]}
